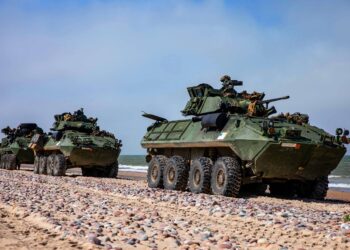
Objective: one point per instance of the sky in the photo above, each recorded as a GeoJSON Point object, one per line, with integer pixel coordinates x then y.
{"type": "Point", "coordinates": [119, 58]}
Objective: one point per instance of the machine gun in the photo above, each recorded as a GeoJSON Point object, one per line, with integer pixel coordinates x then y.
{"type": "Point", "coordinates": [232, 83]}
{"type": "Point", "coordinates": [256, 107]}
{"type": "Point", "coordinates": [267, 102]}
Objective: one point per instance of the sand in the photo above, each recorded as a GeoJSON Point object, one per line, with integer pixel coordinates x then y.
{"type": "Point", "coordinates": [75, 212]}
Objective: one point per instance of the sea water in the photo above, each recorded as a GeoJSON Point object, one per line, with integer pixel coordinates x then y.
{"type": "Point", "coordinates": [339, 178]}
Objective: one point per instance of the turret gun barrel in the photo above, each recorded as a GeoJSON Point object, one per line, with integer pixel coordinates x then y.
{"type": "Point", "coordinates": [273, 100]}
{"type": "Point", "coordinates": [236, 83]}
{"type": "Point", "coordinates": [154, 117]}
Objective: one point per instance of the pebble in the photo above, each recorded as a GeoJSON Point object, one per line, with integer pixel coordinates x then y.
{"type": "Point", "coordinates": [110, 220]}
{"type": "Point", "coordinates": [242, 213]}
{"type": "Point", "coordinates": [131, 241]}
{"type": "Point", "coordinates": [225, 245]}
{"type": "Point", "coordinates": [143, 237]}
{"type": "Point", "coordinates": [206, 235]}
{"type": "Point", "coordinates": [262, 241]}
{"type": "Point", "coordinates": [92, 238]}
{"type": "Point", "coordinates": [345, 226]}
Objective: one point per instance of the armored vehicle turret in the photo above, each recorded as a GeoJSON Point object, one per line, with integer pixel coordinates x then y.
{"type": "Point", "coordinates": [14, 148]}
{"type": "Point", "coordinates": [76, 141]}
{"type": "Point", "coordinates": [233, 143]}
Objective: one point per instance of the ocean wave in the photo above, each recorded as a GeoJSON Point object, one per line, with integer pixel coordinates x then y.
{"type": "Point", "coordinates": [338, 176]}
{"type": "Point", "coordinates": [339, 185]}
{"type": "Point", "coordinates": [142, 169]}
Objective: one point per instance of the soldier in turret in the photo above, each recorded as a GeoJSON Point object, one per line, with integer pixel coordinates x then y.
{"type": "Point", "coordinates": [255, 108]}
{"type": "Point", "coordinates": [10, 132]}
{"type": "Point", "coordinates": [256, 95]}
{"type": "Point", "coordinates": [227, 86]}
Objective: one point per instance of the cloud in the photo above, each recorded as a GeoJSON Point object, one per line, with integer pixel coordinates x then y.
{"type": "Point", "coordinates": [119, 58]}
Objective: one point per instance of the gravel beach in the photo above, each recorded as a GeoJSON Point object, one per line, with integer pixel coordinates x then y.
{"type": "Point", "coordinates": [74, 212]}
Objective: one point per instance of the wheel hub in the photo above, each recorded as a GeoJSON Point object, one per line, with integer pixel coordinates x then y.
{"type": "Point", "coordinates": [171, 175]}
{"type": "Point", "coordinates": [220, 178]}
{"type": "Point", "coordinates": [197, 177]}
{"type": "Point", "coordinates": [154, 173]}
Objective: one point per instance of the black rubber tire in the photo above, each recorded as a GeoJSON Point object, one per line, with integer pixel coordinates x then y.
{"type": "Point", "coordinates": [320, 188]}
{"type": "Point", "coordinates": [50, 164]}
{"type": "Point", "coordinates": [3, 162]}
{"type": "Point", "coordinates": [314, 189]}
{"type": "Point", "coordinates": [175, 174]}
{"type": "Point", "coordinates": [199, 177]}
{"type": "Point", "coordinates": [285, 190]}
{"type": "Point", "coordinates": [113, 171]}
{"type": "Point", "coordinates": [155, 171]}
{"type": "Point", "coordinates": [42, 165]}
{"type": "Point", "coordinates": [36, 165]}
{"type": "Point", "coordinates": [226, 177]}
{"type": "Point", "coordinates": [59, 165]}
{"type": "Point", "coordinates": [11, 162]}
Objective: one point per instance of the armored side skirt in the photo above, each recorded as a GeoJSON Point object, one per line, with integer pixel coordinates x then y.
{"type": "Point", "coordinates": [92, 157]}
{"type": "Point", "coordinates": [295, 161]}
{"type": "Point", "coordinates": [25, 156]}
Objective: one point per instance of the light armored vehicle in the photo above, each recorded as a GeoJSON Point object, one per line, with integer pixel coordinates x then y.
{"type": "Point", "coordinates": [14, 148]}
{"type": "Point", "coordinates": [76, 141]}
{"type": "Point", "coordinates": [232, 144]}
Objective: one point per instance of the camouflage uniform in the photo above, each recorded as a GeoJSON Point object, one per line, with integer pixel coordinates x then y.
{"type": "Point", "coordinates": [227, 86]}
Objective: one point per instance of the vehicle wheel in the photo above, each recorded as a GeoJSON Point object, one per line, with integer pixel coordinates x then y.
{"type": "Point", "coordinates": [11, 162]}
{"type": "Point", "coordinates": [42, 165]}
{"type": "Point", "coordinates": [113, 171]}
{"type": "Point", "coordinates": [50, 164]}
{"type": "Point", "coordinates": [226, 178]}
{"type": "Point", "coordinates": [6, 162]}
{"type": "Point", "coordinates": [175, 174]}
{"type": "Point", "coordinates": [59, 165]}
{"type": "Point", "coordinates": [155, 171]}
{"type": "Point", "coordinates": [199, 180]}
{"type": "Point", "coordinates": [320, 188]}
{"type": "Point", "coordinates": [3, 162]}
{"type": "Point", "coordinates": [286, 190]}
{"type": "Point", "coordinates": [36, 165]}
{"type": "Point", "coordinates": [314, 189]}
